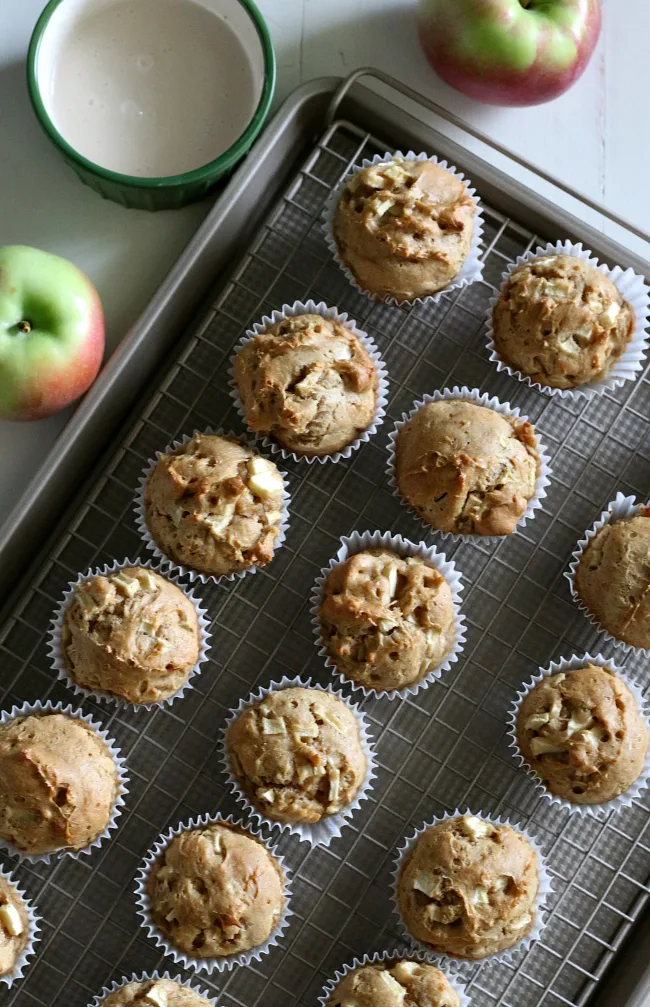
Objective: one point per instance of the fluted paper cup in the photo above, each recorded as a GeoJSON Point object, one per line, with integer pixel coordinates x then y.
{"type": "Point", "coordinates": [329, 827]}
{"type": "Point", "coordinates": [358, 542]}
{"type": "Point", "coordinates": [618, 510]}
{"type": "Point", "coordinates": [311, 308]}
{"type": "Point", "coordinates": [391, 958]}
{"type": "Point", "coordinates": [145, 977]}
{"type": "Point", "coordinates": [33, 929]}
{"type": "Point", "coordinates": [545, 888]}
{"type": "Point", "coordinates": [225, 962]}
{"type": "Point", "coordinates": [632, 288]}
{"type": "Point", "coordinates": [163, 558]}
{"type": "Point", "coordinates": [55, 646]}
{"type": "Point", "coordinates": [39, 709]}
{"type": "Point", "coordinates": [490, 402]}
{"type": "Point", "coordinates": [633, 793]}
{"type": "Point", "coordinates": [472, 268]}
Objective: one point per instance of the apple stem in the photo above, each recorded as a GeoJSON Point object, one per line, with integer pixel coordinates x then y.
{"type": "Point", "coordinates": [24, 327]}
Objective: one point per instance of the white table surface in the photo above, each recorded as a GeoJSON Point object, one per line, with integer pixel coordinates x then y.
{"type": "Point", "coordinates": [595, 137]}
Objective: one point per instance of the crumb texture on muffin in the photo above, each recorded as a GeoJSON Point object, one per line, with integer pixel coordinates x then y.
{"type": "Point", "coordinates": [468, 888]}
{"type": "Point", "coordinates": [214, 505]}
{"type": "Point", "coordinates": [561, 321]}
{"type": "Point", "coordinates": [404, 228]}
{"type": "Point", "coordinates": [14, 927]}
{"type": "Point", "coordinates": [612, 579]}
{"type": "Point", "coordinates": [215, 891]}
{"type": "Point", "coordinates": [297, 755]}
{"type": "Point", "coordinates": [465, 468]}
{"type": "Point", "coordinates": [154, 993]}
{"type": "Point", "coordinates": [58, 783]}
{"type": "Point", "coordinates": [309, 383]}
{"type": "Point", "coordinates": [394, 984]}
{"type": "Point", "coordinates": [131, 633]}
{"type": "Point", "coordinates": [387, 620]}
{"type": "Point", "coordinates": [583, 735]}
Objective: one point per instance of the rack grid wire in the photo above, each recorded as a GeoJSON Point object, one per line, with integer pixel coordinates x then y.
{"type": "Point", "coordinates": [443, 748]}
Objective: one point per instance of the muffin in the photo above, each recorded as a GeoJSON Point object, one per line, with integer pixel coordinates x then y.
{"type": "Point", "coordinates": [561, 322]}
{"type": "Point", "coordinates": [58, 783]}
{"type": "Point", "coordinates": [297, 755]}
{"type": "Point", "coordinates": [215, 891]}
{"type": "Point", "coordinates": [14, 927]}
{"type": "Point", "coordinates": [465, 468]}
{"type": "Point", "coordinates": [582, 734]}
{"type": "Point", "coordinates": [612, 578]}
{"type": "Point", "coordinates": [154, 993]}
{"type": "Point", "coordinates": [214, 505]}
{"type": "Point", "coordinates": [468, 888]}
{"type": "Point", "coordinates": [404, 228]}
{"type": "Point", "coordinates": [131, 633]}
{"type": "Point", "coordinates": [309, 383]}
{"type": "Point", "coordinates": [386, 620]}
{"type": "Point", "coordinates": [394, 984]}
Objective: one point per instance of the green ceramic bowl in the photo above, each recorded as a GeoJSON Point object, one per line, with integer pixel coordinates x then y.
{"type": "Point", "coordinates": [138, 191]}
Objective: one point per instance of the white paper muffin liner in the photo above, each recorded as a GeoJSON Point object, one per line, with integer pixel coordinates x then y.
{"type": "Point", "coordinates": [38, 708]}
{"type": "Point", "coordinates": [328, 828]}
{"type": "Point", "coordinates": [634, 792]}
{"type": "Point", "coordinates": [472, 268]}
{"type": "Point", "coordinates": [545, 888]}
{"type": "Point", "coordinates": [357, 542]}
{"type": "Point", "coordinates": [226, 962]}
{"type": "Point", "coordinates": [490, 402]}
{"type": "Point", "coordinates": [394, 956]}
{"type": "Point", "coordinates": [55, 648]}
{"type": "Point", "coordinates": [32, 937]}
{"type": "Point", "coordinates": [633, 289]}
{"type": "Point", "coordinates": [619, 509]}
{"type": "Point", "coordinates": [163, 558]}
{"type": "Point", "coordinates": [311, 308]}
{"type": "Point", "coordinates": [145, 977]}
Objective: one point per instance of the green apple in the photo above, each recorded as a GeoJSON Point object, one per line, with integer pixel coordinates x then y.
{"type": "Point", "coordinates": [51, 333]}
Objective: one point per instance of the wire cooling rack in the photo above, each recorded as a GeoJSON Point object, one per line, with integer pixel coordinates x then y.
{"type": "Point", "coordinates": [444, 748]}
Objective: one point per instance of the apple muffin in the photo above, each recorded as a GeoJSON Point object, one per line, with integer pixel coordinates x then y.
{"type": "Point", "coordinates": [14, 927]}
{"type": "Point", "coordinates": [309, 383]}
{"type": "Point", "coordinates": [215, 506]}
{"type": "Point", "coordinates": [612, 579]}
{"type": "Point", "coordinates": [131, 633]}
{"type": "Point", "coordinates": [386, 620]}
{"type": "Point", "coordinates": [394, 984]}
{"type": "Point", "coordinates": [404, 228]}
{"type": "Point", "coordinates": [297, 755]}
{"type": "Point", "coordinates": [465, 468]}
{"type": "Point", "coordinates": [216, 891]}
{"type": "Point", "coordinates": [158, 992]}
{"type": "Point", "coordinates": [561, 322]}
{"type": "Point", "coordinates": [582, 734]}
{"type": "Point", "coordinates": [468, 888]}
{"type": "Point", "coordinates": [58, 783]}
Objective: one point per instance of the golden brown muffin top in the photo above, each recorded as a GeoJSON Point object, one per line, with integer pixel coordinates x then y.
{"type": "Point", "coordinates": [465, 468]}
{"type": "Point", "coordinates": [132, 633]}
{"type": "Point", "coordinates": [395, 984]}
{"type": "Point", "coordinates": [468, 888]}
{"type": "Point", "coordinates": [582, 733]}
{"type": "Point", "coordinates": [308, 382]}
{"type": "Point", "coordinates": [561, 321]}
{"type": "Point", "coordinates": [58, 783]}
{"type": "Point", "coordinates": [386, 620]}
{"type": "Point", "coordinates": [297, 754]}
{"type": "Point", "coordinates": [154, 993]}
{"type": "Point", "coordinates": [214, 505]}
{"type": "Point", "coordinates": [14, 927]}
{"type": "Point", "coordinates": [216, 890]}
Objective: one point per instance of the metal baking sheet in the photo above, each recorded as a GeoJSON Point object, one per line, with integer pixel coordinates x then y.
{"type": "Point", "coordinates": [445, 747]}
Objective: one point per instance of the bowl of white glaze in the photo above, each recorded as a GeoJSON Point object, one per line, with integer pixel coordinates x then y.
{"type": "Point", "coordinates": [151, 101]}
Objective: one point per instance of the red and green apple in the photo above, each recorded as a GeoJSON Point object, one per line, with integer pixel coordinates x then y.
{"type": "Point", "coordinates": [51, 333]}
{"type": "Point", "coordinates": [510, 52]}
